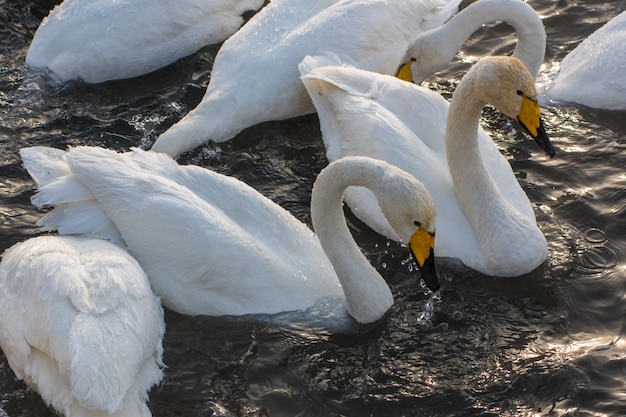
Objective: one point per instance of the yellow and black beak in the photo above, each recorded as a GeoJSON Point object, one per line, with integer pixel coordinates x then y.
{"type": "Point", "coordinates": [530, 119]}
{"type": "Point", "coordinates": [422, 246]}
{"type": "Point", "coordinates": [404, 72]}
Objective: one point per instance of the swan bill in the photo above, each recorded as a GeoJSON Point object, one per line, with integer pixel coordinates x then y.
{"type": "Point", "coordinates": [404, 72]}
{"type": "Point", "coordinates": [530, 119]}
{"type": "Point", "coordinates": [543, 141]}
{"type": "Point", "coordinates": [422, 246]}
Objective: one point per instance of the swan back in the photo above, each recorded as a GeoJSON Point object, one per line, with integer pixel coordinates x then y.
{"type": "Point", "coordinates": [593, 73]}
{"type": "Point", "coordinates": [101, 40]}
{"type": "Point", "coordinates": [432, 50]}
{"type": "Point", "coordinates": [79, 323]}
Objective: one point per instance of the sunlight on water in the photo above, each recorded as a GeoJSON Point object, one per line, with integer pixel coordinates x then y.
{"type": "Point", "coordinates": [549, 343]}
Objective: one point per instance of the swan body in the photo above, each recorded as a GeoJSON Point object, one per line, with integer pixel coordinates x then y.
{"type": "Point", "coordinates": [432, 50]}
{"type": "Point", "coordinates": [212, 245]}
{"type": "Point", "coordinates": [593, 73]}
{"type": "Point", "coordinates": [81, 326]}
{"type": "Point", "coordinates": [255, 74]}
{"type": "Point", "coordinates": [484, 217]}
{"type": "Point", "coordinates": [102, 40]}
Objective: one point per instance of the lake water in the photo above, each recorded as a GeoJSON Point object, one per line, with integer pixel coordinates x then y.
{"type": "Point", "coordinates": [548, 343]}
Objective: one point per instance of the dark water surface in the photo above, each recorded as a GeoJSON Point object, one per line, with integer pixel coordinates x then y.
{"type": "Point", "coordinates": [548, 343]}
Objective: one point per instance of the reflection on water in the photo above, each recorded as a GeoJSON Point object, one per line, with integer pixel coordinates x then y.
{"type": "Point", "coordinates": [548, 343]}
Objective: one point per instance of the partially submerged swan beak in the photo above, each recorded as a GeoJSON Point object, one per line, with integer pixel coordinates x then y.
{"type": "Point", "coordinates": [530, 119]}
{"type": "Point", "coordinates": [404, 71]}
{"type": "Point", "coordinates": [422, 246]}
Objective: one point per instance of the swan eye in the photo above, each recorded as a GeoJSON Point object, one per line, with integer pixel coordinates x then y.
{"type": "Point", "coordinates": [419, 225]}
{"type": "Point", "coordinates": [520, 93]}
{"type": "Point", "coordinates": [413, 59]}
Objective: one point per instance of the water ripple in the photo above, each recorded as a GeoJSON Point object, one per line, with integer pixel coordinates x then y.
{"type": "Point", "coordinates": [599, 259]}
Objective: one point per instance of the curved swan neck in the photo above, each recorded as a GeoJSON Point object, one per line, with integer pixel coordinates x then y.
{"type": "Point", "coordinates": [473, 185]}
{"type": "Point", "coordinates": [367, 295]}
{"type": "Point", "coordinates": [530, 48]}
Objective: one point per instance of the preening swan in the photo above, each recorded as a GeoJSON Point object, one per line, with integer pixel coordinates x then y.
{"type": "Point", "coordinates": [434, 49]}
{"type": "Point", "coordinates": [80, 325]}
{"type": "Point", "coordinates": [593, 74]}
{"type": "Point", "coordinates": [255, 74]}
{"type": "Point", "coordinates": [483, 216]}
{"type": "Point", "coordinates": [102, 40]}
{"type": "Point", "coordinates": [212, 245]}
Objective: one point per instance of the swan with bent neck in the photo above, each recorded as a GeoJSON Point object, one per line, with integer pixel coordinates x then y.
{"type": "Point", "coordinates": [212, 245]}
{"type": "Point", "coordinates": [255, 75]}
{"type": "Point", "coordinates": [484, 218]}
{"type": "Point", "coordinates": [430, 51]}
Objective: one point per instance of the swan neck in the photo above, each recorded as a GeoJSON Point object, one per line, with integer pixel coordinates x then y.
{"type": "Point", "coordinates": [461, 137]}
{"type": "Point", "coordinates": [474, 187]}
{"type": "Point", "coordinates": [530, 48]}
{"type": "Point", "coordinates": [367, 295]}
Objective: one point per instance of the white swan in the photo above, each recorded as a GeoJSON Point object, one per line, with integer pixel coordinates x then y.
{"type": "Point", "coordinates": [433, 49]}
{"type": "Point", "coordinates": [255, 74]}
{"type": "Point", "coordinates": [81, 326]}
{"type": "Point", "coordinates": [483, 216]}
{"type": "Point", "coordinates": [102, 40]}
{"type": "Point", "coordinates": [593, 74]}
{"type": "Point", "coordinates": [212, 245]}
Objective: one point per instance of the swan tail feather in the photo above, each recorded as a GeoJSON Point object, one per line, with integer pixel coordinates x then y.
{"type": "Point", "coordinates": [44, 164]}
{"type": "Point", "coordinates": [66, 189]}
{"type": "Point", "coordinates": [87, 219]}
{"type": "Point", "coordinates": [75, 209]}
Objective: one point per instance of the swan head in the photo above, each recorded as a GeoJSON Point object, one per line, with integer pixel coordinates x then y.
{"type": "Point", "coordinates": [410, 210]}
{"type": "Point", "coordinates": [505, 83]}
{"type": "Point", "coordinates": [427, 54]}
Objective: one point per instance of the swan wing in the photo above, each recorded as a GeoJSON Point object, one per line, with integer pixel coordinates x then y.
{"type": "Point", "coordinates": [368, 114]}
{"type": "Point", "coordinates": [291, 29]}
{"type": "Point", "coordinates": [210, 244]}
{"type": "Point", "coordinates": [354, 122]}
{"type": "Point", "coordinates": [245, 206]}
{"type": "Point", "coordinates": [395, 106]}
